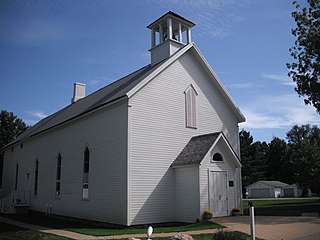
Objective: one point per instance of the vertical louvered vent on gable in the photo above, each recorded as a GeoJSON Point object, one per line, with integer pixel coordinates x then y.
{"type": "Point", "coordinates": [191, 107]}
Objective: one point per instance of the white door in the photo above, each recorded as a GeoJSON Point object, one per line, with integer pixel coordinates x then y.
{"type": "Point", "coordinates": [218, 194]}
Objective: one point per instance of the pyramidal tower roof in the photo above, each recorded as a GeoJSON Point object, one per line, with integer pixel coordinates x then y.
{"type": "Point", "coordinates": [169, 33]}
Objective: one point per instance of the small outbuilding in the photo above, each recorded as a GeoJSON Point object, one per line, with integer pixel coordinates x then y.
{"type": "Point", "coordinates": [272, 189]}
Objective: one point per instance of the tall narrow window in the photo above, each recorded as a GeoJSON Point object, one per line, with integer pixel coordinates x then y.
{"type": "Point", "coordinates": [191, 107]}
{"type": "Point", "coordinates": [36, 173]}
{"type": "Point", "coordinates": [58, 178]}
{"type": "Point", "coordinates": [85, 183]}
{"type": "Point", "coordinates": [17, 176]}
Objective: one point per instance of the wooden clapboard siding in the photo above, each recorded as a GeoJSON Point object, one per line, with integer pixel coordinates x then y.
{"type": "Point", "coordinates": [105, 134]}
{"type": "Point", "coordinates": [158, 133]}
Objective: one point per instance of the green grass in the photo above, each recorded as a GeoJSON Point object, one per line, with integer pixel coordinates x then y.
{"type": "Point", "coordinates": [136, 230]}
{"type": "Point", "coordinates": [112, 230]}
{"type": "Point", "coordinates": [10, 232]}
{"type": "Point", "coordinates": [228, 235]}
{"type": "Point", "coordinates": [283, 207]}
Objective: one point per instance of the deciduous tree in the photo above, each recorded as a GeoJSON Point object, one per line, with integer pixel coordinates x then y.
{"type": "Point", "coordinates": [304, 153]}
{"type": "Point", "coordinates": [305, 70]}
{"type": "Point", "coordinates": [279, 167]}
{"type": "Point", "coordinates": [10, 127]}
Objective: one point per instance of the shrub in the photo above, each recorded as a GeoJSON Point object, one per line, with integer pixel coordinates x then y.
{"type": "Point", "coordinates": [207, 214]}
{"type": "Point", "coordinates": [229, 236]}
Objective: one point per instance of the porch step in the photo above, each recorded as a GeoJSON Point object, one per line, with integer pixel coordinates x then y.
{"type": "Point", "coordinates": [15, 202]}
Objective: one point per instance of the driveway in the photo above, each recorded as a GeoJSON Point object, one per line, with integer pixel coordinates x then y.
{"type": "Point", "coordinates": [276, 228]}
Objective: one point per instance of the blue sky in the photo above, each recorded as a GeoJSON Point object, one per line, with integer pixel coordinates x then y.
{"type": "Point", "coordinates": [46, 46]}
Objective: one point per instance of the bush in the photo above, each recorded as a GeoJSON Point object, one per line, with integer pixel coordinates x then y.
{"type": "Point", "coordinates": [236, 210]}
{"type": "Point", "coordinates": [229, 236]}
{"type": "Point", "coordinates": [207, 214]}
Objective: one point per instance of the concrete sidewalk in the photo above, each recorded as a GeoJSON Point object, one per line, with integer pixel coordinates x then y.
{"type": "Point", "coordinates": [59, 232]}
{"type": "Point", "coordinates": [275, 228]}
{"type": "Point", "coordinates": [78, 236]}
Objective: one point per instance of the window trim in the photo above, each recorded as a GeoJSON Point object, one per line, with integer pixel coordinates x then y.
{"type": "Point", "coordinates": [58, 176]}
{"type": "Point", "coordinates": [219, 156]}
{"type": "Point", "coordinates": [16, 177]}
{"type": "Point", "coordinates": [86, 150]}
{"type": "Point", "coordinates": [191, 107]}
{"type": "Point", "coordinates": [36, 178]}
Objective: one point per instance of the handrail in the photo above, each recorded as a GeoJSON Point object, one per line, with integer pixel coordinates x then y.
{"type": "Point", "coordinates": [21, 197]}
{"type": "Point", "coordinates": [7, 201]}
{"type": "Point", "coordinates": [15, 198]}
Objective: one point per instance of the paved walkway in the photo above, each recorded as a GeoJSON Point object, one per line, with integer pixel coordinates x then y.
{"type": "Point", "coordinates": [269, 228]}
{"type": "Point", "coordinates": [62, 233]}
{"type": "Point", "coordinates": [276, 228]}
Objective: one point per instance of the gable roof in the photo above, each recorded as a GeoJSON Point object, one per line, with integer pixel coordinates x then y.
{"type": "Point", "coordinates": [125, 87]}
{"type": "Point", "coordinates": [108, 94]}
{"type": "Point", "coordinates": [192, 47]}
{"type": "Point", "coordinates": [271, 183]}
{"type": "Point", "coordinates": [198, 147]}
{"type": "Point", "coordinates": [195, 150]}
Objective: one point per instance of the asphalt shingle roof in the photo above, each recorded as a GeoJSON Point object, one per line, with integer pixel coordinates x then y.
{"type": "Point", "coordinates": [275, 183]}
{"type": "Point", "coordinates": [103, 96]}
{"type": "Point", "coordinates": [195, 150]}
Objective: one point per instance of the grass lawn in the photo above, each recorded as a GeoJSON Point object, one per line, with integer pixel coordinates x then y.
{"type": "Point", "coordinates": [218, 236]}
{"type": "Point", "coordinates": [107, 231]}
{"type": "Point", "coordinates": [283, 207]}
{"type": "Point", "coordinates": [10, 232]}
{"type": "Point", "coordinates": [98, 231]}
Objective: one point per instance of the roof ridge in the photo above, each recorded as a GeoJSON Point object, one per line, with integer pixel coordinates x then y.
{"type": "Point", "coordinates": [207, 134]}
{"type": "Point", "coordinates": [112, 83]}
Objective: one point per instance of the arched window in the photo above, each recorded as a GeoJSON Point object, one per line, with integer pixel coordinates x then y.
{"type": "Point", "coordinates": [217, 157]}
{"type": "Point", "coordinates": [85, 181]}
{"type": "Point", "coordinates": [17, 176]}
{"type": "Point", "coordinates": [58, 177]}
{"type": "Point", "coordinates": [36, 174]}
{"type": "Point", "coordinates": [191, 107]}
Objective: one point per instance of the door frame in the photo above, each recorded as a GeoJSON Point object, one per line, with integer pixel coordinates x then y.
{"type": "Point", "coordinates": [210, 183]}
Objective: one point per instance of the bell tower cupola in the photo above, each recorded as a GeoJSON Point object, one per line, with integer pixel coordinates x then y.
{"type": "Point", "coordinates": [168, 34]}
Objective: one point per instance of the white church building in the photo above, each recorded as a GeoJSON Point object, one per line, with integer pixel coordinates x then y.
{"type": "Point", "coordinates": [158, 145]}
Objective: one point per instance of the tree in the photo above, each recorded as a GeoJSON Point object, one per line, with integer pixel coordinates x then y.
{"type": "Point", "coordinates": [304, 154]}
{"type": "Point", "coordinates": [279, 167]}
{"type": "Point", "coordinates": [305, 70]}
{"type": "Point", "coordinates": [10, 128]}
{"type": "Point", "coordinates": [247, 156]}
{"type": "Point", "coordinates": [259, 163]}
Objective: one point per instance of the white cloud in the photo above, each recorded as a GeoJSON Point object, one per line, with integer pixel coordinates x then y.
{"type": "Point", "coordinates": [30, 122]}
{"type": "Point", "coordinates": [34, 31]}
{"type": "Point", "coordinates": [214, 18]}
{"type": "Point", "coordinates": [37, 113]}
{"type": "Point", "coordinates": [278, 112]}
{"type": "Point", "coordinates": [240, 85]}
{"type": "Point", "coordinates": [94, 82]}
{"type": "Point", "coordinates": [283, 79]}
